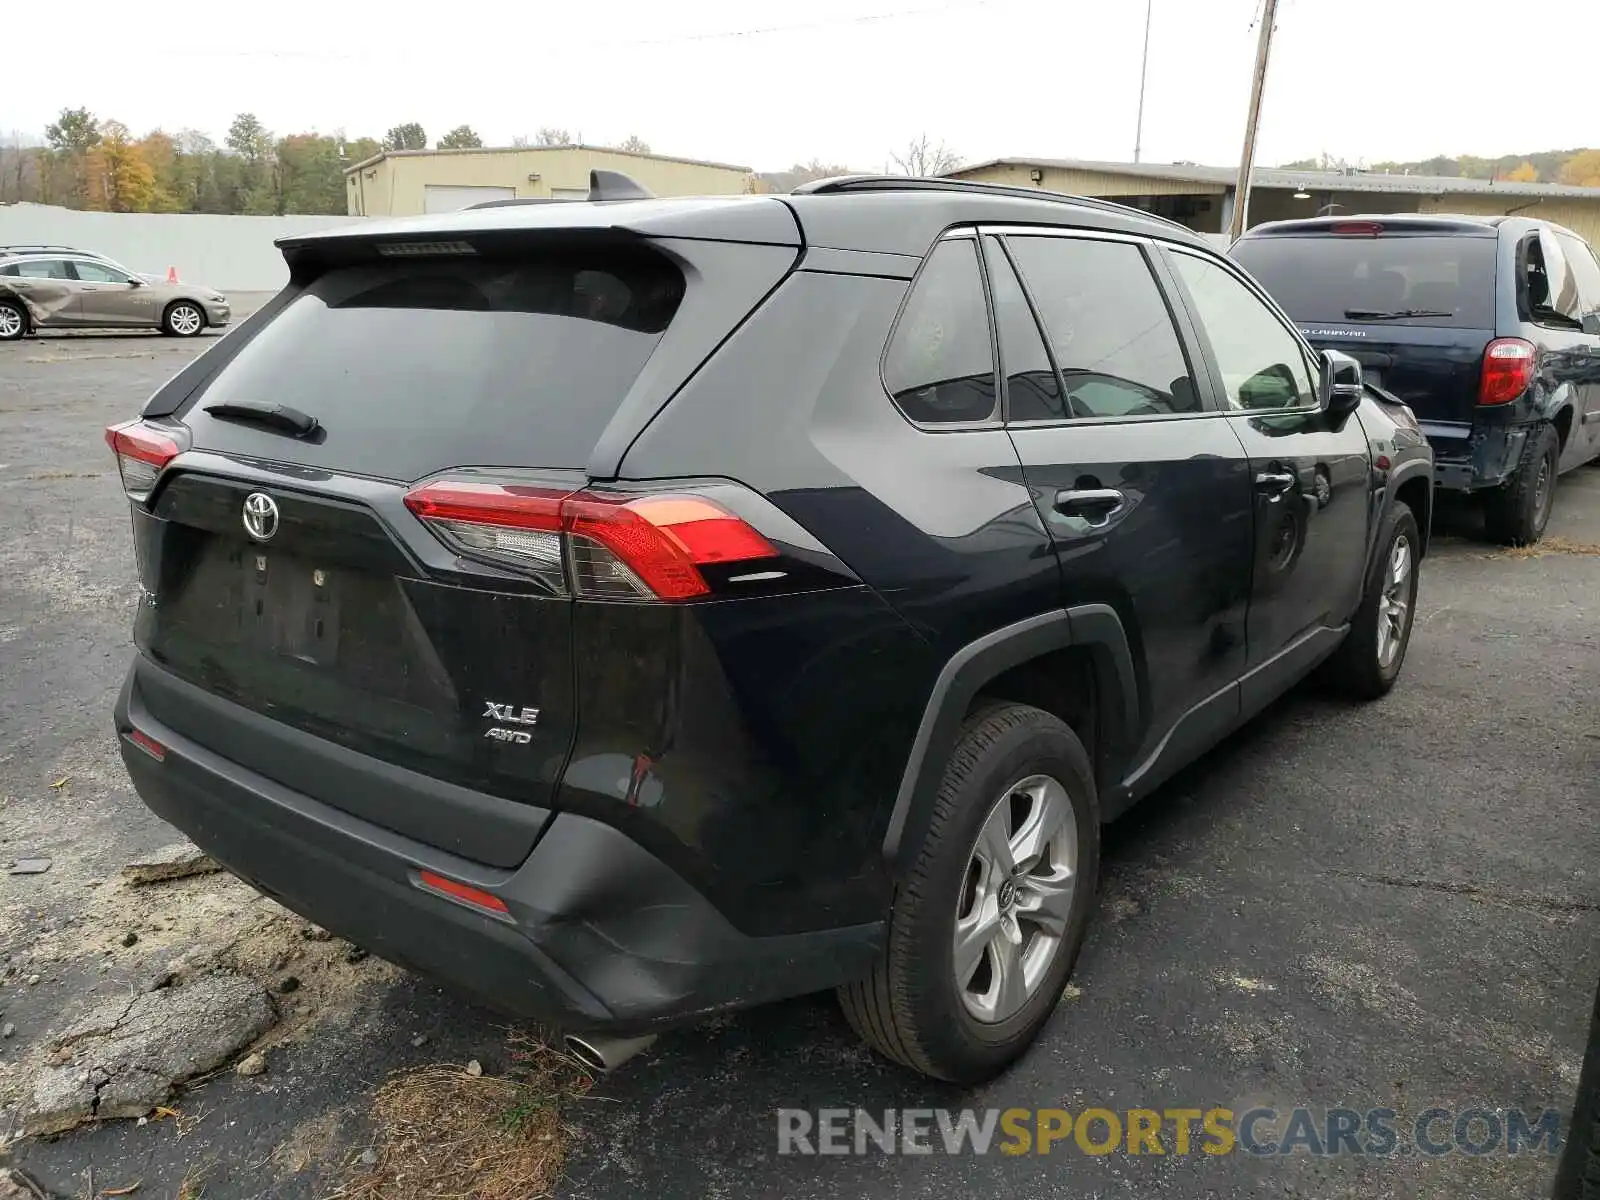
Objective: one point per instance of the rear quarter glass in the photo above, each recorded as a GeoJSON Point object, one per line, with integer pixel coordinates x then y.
{"type": "Point", "coordinates": [1318, 278]}
{"type": "Point", "coordinates": [411, 365]}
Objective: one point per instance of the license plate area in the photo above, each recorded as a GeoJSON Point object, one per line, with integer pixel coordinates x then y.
{"type": "Point", "coordinates": [290, 608]}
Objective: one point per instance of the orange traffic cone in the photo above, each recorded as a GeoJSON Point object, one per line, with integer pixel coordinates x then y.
{"type": "Point", "coordinates": [172, 274]}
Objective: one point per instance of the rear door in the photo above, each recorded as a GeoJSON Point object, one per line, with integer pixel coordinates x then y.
{"type": "Point", "coordinates": [371, 667]}
{"type": "Point", "coordinates": [1310, 473]}
{"type": "Point", "coordinates": [1144, 489]}
{"type": "Point", "coordinates": [48, 288]}
{"type": "Point", "coordinates": [1349, 286]}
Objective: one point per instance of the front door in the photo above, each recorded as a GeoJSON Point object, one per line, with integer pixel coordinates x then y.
{"type": "Point", "coordinates": [1143, 486]}
{"type": "Point", "coordinates": [107, 296]}
{"type": "Point", "coordinates": [1310, 474]}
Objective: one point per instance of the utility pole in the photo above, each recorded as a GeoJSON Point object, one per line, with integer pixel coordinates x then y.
{"type": "Point", "coordinates": [1144, 67]}
{"type": "Point", "coordinates": [1247, 160]}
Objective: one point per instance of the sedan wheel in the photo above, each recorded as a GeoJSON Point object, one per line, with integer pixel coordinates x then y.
{"type": "Point", "coordinates": [184, 320]}
{"type": "Point", "coordinates": [12, 323]}
{"type": "Point", "coordinates": [1394, 607]}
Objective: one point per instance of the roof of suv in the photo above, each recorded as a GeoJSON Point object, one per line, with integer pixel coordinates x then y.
{"type": "Point", "coordinates": [1435, 223]}
{"type": "Point", "coordinates": [896, 216]}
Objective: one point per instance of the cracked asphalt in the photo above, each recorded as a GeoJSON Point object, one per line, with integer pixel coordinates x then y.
{"type": "Point", "coordinates": [1382, 906]}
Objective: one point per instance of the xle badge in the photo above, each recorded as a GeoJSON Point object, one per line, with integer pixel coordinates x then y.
{"type": "Point", "coordinates": [516, 716]}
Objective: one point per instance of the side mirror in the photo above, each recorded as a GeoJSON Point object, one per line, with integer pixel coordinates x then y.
{"type": "Point", "coordinates": [135, 281]}
{"type": "Point", "coordinates": [1340, 389]}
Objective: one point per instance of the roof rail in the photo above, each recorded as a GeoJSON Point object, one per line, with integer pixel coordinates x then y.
{"type": "Point", "coordinates": [925, 183]}
{"type": "Point", "coordinates": [39, 248]}
{"type": "Point", "coordinates": [515, 201]}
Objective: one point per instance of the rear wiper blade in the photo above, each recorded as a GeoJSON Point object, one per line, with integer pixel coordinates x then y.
{"type": "Point", "coordinates": [1393, 314]}
{"type": "Point", "coordinates": [273, 416]}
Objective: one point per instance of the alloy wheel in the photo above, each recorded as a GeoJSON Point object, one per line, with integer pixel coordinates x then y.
{"type": "Point", "coordinates": [1394, 605]}
{"type": "Point", "coordinates": [10, 322]}
{"type": "Point", "coordinates": [1016, 898]}
{"type": "Point", "coordinates": [185, 320]}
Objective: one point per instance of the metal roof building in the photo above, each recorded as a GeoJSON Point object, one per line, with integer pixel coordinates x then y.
{"type": "Point", "coordinates": [1202, 197]}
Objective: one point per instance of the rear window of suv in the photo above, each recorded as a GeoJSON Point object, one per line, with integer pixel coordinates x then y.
{"type": "Point", "coordinates": [1347, 279]}
{"type": "Point", "coordinates": [414, 364]}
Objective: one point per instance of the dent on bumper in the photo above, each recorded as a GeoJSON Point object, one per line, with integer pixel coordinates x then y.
{"type": "Point", "coordinates": [602, 935]}
{"type": "Point", "coordinates": [1485, 460]}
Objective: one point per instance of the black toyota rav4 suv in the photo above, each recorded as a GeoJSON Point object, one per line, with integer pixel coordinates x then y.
{"type": "Point", "coordinates": [632, 610]}
{"type": "Point", "coordinates": [1487, 327]}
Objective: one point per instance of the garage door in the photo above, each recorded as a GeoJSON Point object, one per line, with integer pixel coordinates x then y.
{"type": "Point", "coordinates": [439, 198]}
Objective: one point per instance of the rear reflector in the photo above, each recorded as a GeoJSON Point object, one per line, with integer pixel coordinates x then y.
{"type": "Point", "coordinates": [148, 744]}
{"type": "Point", "coordinates": [141, 453]}
{"type": "Point", "coordinates": [1507, 370]}
{"type": "Point", "coordinates": [475, 897]}
{"type": "Point", "coordinates": [617, 547]}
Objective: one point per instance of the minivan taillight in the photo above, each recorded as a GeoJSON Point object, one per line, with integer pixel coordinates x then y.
{"type": "Point", "coordinates": [614, 547]}
{"type": "Point", "coordinates": [141, 453]}
{"type": "Point", "coordinates": [1507, 370]}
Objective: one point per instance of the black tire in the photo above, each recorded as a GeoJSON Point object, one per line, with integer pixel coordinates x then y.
{"type": "Point", "coordinates": [1358, 668]}
{"type": "Point", "coordinates": [15, 327]}
{"type": "Point", "coordinates": [168, 327]}
{"type": "Point", "coordinates": [1516, 513]}
{"type": "Point", "coordinates": [910, 1009]}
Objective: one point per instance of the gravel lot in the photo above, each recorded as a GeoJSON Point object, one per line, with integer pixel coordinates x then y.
{"type": "Point", "coordinates": [1361, 907]}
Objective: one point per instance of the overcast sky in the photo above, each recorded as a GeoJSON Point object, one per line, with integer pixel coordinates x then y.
{"type": "Point", "coordinates": [765, 83]}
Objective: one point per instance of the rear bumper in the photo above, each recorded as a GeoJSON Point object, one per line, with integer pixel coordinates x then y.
{"type": "Point", "coordinates": [1471, 458]}
{"type": "Point", "coordinates": [600, 936]}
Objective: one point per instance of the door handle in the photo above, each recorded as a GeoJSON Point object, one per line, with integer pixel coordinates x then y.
{"type": "Point", "coordinates": [1098, 505]}
{"type": "Point", "coordinates": [1272, 483]}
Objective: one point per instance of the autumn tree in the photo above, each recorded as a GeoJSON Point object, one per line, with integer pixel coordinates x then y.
{"type": "Point", "coordinates": [1526, 173]}
{"type": "Point", "coordinates": [409, 136]}
{"type": "Point", "coordinates": [1582, 169]}
{"type": "Point", "coordinates": [117, 176]}
{"type": "Point", "coordinates": [923, 157]}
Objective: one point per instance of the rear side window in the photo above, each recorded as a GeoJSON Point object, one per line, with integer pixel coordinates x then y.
{"type": "Point", "coordinates": [940, 362]}
{"type": "Point", "coordinates": [413, 364]}
{"type": "Point", "coordinates": [1440, 280]}
{"type": "Point", "coordinates": [1585, 270]}
{"type": "Point", "coordinates": [1108, 327]}
{"type": "Point", "coordinates": [1033, 393]}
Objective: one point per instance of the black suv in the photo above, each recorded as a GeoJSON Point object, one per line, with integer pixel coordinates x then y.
{"type": "Point", "coordinates": [634, 610]}
{"type": "Point", "coordinates": [1487, 327]}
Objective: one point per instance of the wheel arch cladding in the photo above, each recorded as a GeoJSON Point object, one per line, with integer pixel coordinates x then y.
{"type": "Point", "coordinates": [1095, 627]}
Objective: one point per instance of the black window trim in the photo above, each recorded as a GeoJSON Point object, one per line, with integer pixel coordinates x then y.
{"type": "Point", "coordinates": [72, 263]}
{"type": "Point", "coordinates": [1178, 316]}
{"type": "Point", "coordinates": [960, 233]}
{"type": "Point", "coordinates": [1219, 388]}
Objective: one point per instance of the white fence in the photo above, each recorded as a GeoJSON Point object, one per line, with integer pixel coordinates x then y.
{"type": "Point", "coordinates": [231, 253]}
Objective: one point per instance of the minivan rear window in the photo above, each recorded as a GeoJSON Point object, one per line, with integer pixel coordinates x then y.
{"type": "Point", "coordinates": [415, 364]}
{"type": "Point", "coordinates": [1344, 280]}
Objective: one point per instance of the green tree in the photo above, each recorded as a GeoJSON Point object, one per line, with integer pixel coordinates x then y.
{"type": "Point", "coordinates": [71, 137]}
{"type": "Point", "coordinates": [310, 175]}
{"type": "Point", "coordinates": [462, 137]}
{"type": "Point", "coordinates": [249, 138]}
{"type": "Point", "coordinates": [409, 136]}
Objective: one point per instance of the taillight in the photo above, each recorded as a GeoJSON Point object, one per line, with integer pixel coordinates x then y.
{"type": "Point", "coordinates": [615, 547]}
{"type": "Point", "coordinates": [1507, 370]}
{"type": "Point", "coordinates": [141, 453]}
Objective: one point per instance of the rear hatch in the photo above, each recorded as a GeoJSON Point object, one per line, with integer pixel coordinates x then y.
{"type": "Point", "coordinates": [1414, 303]}
{"type": "Point", "coordinates": [421, 680]}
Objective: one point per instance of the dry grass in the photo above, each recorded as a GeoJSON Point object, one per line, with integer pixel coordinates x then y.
{"type": "Point", "coordinates": [443, 1134]}
{"type": "Point", "coordinates": [1551, 545]}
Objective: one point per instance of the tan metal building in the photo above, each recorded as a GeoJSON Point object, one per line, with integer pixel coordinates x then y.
{"type": "Point", "coordinates": [1203, 197]}
{"type": "Point", "coordinates": [399, 183]}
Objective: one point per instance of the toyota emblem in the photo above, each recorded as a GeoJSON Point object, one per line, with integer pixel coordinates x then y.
{"type": "Point", "coordinates": [260, 516]}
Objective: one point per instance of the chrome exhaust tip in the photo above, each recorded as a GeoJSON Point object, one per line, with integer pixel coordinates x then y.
{"type": "Point", "coordinates": [601, 1054]}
